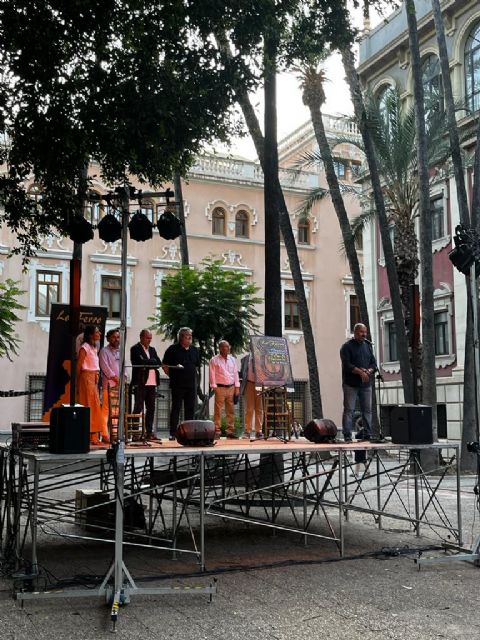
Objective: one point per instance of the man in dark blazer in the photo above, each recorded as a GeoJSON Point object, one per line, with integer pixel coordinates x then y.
{"type": "Point", "coordinates": [145, 378]}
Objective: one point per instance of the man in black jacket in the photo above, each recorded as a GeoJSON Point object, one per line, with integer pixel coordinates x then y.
{"type": "Point", "coordinates": [145, 378]}
{"type": "Point", "coordinates": [183, 378]}
{"type": "Point", "coordinates": [358, 367]}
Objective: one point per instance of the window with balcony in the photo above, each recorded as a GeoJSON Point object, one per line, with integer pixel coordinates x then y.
{"type": "Point", "coordinates": [472, 69]}
{"type": "Point", "coordinates": [437, 217]}
{"type": "Point", "coordinates": [241, 224]}
{"type": "Point", "coordinates": [48, 290]}
{"type": "Point", "coordinates": [291, 312]}
{"type": "Point", "coordinates": [303, 232]}
{"type": "Point", "coordinates": [218, 222]}
{"type": "Point", "coordinates": [354, 311]}
{"type": "Point", "coordinates": [390, 342]}
{"type": "Point", "coordinates": [441, 330]}
{"type": "Point", "coordinates": [111, 295]}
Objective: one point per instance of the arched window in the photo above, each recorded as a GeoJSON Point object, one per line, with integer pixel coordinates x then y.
{"type": "Point", "coordinates": [241, 224]}
{"type": "Point", "coordinates": [472, 69]}
{"type": "Point", "coordinates": [383, 97]}
{"type": "Point", "coordinates": [218, 221]}
{"type": "Point", "coordinates": [303, 232]}
{"type": "Point", "coordinates": [432, 82]}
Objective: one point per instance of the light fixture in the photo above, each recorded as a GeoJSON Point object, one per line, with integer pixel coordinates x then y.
{"type": "Point", "coordinates": [140, 227]}
{"type": "Point", "coordinates": [109, 228]}
{"type": "Point", "coordinates": [80, 230]}
{"type": "Point", "coordinates": [169, 226]}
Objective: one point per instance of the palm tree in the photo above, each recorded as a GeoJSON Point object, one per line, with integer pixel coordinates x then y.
{"type": "Point", "coordinates": [286, 230]}
{"type": "Point", "coordinates": [470, 419]}
{"type": "Point", "coordinates": [429, 389]}
{"type": "Point", "coordinates": [378, 197]}
{"type": "Point", "coordinates": [312, 80]}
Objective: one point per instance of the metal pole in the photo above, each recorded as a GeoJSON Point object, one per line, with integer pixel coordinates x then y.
{"type": "Point", "coordinates": [120, 454]}
{"type": "Point", "coordinates": [379, 493]}
{"type": "Point", "coordinates": [459, 496]}
{"type": "Point", "coordinates": [341, 462]}
{"type": "Point", "coordinates": [416, 469]}
{"type": "Point", "coordinates": [476, 351]}
{"type": "Point", "coordinates": [202, 512]}
{"type": "Point", "coordinates": [33, 523]}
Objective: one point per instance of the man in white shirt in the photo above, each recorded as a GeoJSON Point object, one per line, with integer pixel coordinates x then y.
{"type": "Point", "coordinates": [225, 383]}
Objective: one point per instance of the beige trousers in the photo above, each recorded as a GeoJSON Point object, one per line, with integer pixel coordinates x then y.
{"type": "Point", "coordinates": [224, 398]}
{"type": "Point", "coordinates": [253, 403]}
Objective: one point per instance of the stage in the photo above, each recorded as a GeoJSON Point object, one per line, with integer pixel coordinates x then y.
{"type": "Point", "coordinates": [173, 493]}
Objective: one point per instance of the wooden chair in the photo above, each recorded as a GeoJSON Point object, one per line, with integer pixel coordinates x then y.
{"type": "Point", "coordinates": [134, 423]}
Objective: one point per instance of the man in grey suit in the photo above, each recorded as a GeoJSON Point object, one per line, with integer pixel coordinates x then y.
{"type": "Point", "coordinates": [252, 400]}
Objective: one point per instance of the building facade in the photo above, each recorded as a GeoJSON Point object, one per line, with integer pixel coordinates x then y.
{"type": "Point", "coordinates": [223, 199]}
{"type": "Point", "coordinates": [385, 62]}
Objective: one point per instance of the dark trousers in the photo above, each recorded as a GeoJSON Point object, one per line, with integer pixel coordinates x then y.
{"type": "Point", "coordinates": [179, 395]}
{"type": "Point", "coordinates": [145, 395]}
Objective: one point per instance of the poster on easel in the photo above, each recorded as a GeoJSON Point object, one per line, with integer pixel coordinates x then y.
{"type": "Point", "coordinates": [271, 362]}
{"type": "Point", "coordinates": [57, 381]}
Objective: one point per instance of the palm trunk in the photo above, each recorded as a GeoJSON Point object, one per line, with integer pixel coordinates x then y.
{"type": "Point", "coordinates": [429, 458]}
{"type": "Point", "coordinates": [273, 286]}
{"type": "Point", "coordinates": [361, 118]}
{"type": "Point", "coordinates": [177, 185]}
{"type": "Point", "coordinates": [288, 238]}
{"type": "Point", "coordinates": [467, 462]}
{"type": "Point", "coordinates": [339, 206]}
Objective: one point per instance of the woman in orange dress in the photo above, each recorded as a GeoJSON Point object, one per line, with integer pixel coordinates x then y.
{"type": "Point", "coordinates": [88, 371]}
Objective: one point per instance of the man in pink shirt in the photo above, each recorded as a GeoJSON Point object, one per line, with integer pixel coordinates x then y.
{"type": "Point", "coordinates": [225, 383]}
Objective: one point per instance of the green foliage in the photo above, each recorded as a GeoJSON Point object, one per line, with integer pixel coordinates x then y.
{"type": "Point", "coordinates": [213, 301]}
{"type": "Point", "coordinates": [135, 85]}
{"type": "Point", "coordinates": [9, 340]}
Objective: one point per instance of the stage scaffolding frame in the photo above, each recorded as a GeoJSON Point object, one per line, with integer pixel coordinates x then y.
{"type": "Point", "coordinates": [298, 488]}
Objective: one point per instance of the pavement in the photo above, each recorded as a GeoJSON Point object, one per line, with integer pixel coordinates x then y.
{"type": "Point", "coordinates": [270, 587]}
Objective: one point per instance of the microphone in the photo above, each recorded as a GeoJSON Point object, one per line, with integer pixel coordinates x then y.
{"type": "Point", "coordinates": [369, 341]}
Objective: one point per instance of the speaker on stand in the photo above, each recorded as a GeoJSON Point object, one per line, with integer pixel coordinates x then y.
{"type": "Point", "coordinates": [70, 429]}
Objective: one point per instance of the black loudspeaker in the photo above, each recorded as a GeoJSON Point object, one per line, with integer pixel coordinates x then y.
{"type": "Point", "coordinates": [196, 433]}
{"type": "Point", "coordinates": [411, 424]}
{"type": "Point", "coordinates": [319, 431]}
{"type": "Point", "coordinates": [70, 430]}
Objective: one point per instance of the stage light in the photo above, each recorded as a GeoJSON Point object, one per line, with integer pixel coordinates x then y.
{"type": "Point", "coordinates": [140, 227]}
{"type": "Point", "coordinates": [169, 226]}
{"type": "Point", "coordinates": [109, 228]}
{"type": "Point", "coordinates": [80, 230]}
{"type": "Point", "coordinates": [466, 251]}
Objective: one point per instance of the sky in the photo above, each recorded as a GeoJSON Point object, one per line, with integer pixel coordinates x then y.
{"type": "Point", "coordinates": [291, 112]}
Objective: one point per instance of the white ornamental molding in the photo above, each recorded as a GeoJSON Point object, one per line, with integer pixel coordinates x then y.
{"type": "Point", "coordinates": [170, 253]}
{"type": "Point", "coordinates": [214, 204]}
{"type": "Point", "coordinates": [286, 265]}
{"type": "Point", "coordinates": [294, 338]}
{"type": "Point", "coordinates": [252, 212]}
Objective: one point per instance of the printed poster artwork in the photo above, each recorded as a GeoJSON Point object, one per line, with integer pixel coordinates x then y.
{"type": "Point", "coordinates": [271, 361]}
{"type": "Point", "coordinates": [57, 383]}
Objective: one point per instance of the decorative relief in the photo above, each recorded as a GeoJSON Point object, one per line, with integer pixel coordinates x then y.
{"type": "Point", "coordinates": [233, 258]}
{"type": "Point", "coordinates": [286, 265]}
{"type": "Point", "coordinates": [112, 248]}
{"type": "Point", "coordinates": [171, 252]}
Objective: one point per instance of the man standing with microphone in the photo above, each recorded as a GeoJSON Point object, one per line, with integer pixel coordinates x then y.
{"type": "Point", "coordinates": [358, 367]}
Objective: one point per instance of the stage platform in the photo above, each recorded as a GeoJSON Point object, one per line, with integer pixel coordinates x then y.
{"type": "Point", "coordinates": [174, 493]}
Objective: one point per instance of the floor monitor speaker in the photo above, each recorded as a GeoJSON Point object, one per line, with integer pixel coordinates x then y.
{"type": "Point", "coordinates": [411, 424]}
{"type": "Point", "coordinates": [70, 429]}
{"type": "Point", "coordinates": [196, 433]}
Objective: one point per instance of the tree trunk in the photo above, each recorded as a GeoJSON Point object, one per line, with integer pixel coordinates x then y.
{"type": "Point", "coordinates": [177, 185]}
{"type": "Point", "coordinates": [289, 240]}
{"type": "Point", "coordinates": [361, 118]}
{"type": "Point", "coordinates": [467, 462]}
{"type": "Point", "coordinates": [273, 285]}
{"type": "Point", "coordinates": [430, 457]}
{"type": "Point", "coordinates": [339, 206]}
